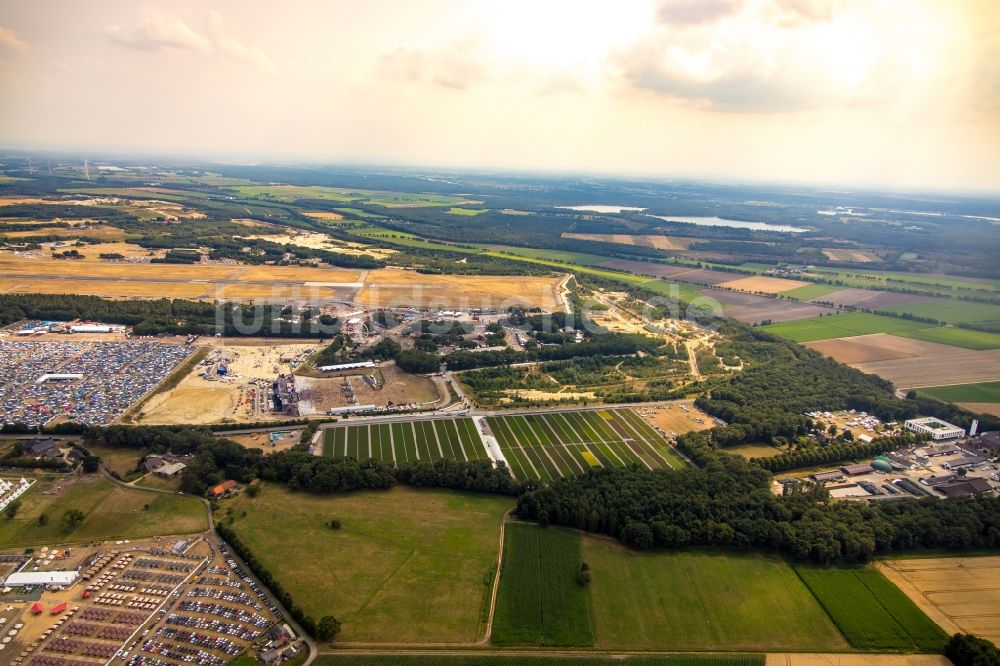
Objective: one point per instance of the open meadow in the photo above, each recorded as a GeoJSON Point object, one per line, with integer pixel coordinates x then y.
{"type": "Point", "coordinates": [702, 601]}
{"type": "Point", "coordinates": [406, 566]}
{"type": "Point", "coordinates": [112, 512]}
{"type": "Point", "coordinates": [961, 594]}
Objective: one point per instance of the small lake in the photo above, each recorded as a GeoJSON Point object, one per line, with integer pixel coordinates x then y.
{"type": "Point", "coordinates": [600, 208]}
{"type": "Point", "coordinates": [737, 224]}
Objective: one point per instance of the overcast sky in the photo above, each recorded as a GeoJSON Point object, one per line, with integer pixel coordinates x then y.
{"type": "Point", "coordinates": [902, 93]}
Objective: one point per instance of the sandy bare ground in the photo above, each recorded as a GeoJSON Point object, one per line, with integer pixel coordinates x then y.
{"type": "Point", "coordinates": [857, 660]}
{"type": "Point", "coordinates": [198, 400]}
{"type": "Point", "coordinates": [319, 241]}
{"type": "Point", "coordinates": [763, 284]}
{"type": "Point", "coordinates": [962, 594]}
{"type": "Point", "coordinates": [673, 419]}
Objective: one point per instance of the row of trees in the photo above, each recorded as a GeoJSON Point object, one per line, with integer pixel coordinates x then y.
{"type": "Point", "coordinates": [823, 455]}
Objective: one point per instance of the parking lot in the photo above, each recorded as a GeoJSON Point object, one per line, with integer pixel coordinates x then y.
{"type": "Point", "coordinates": [157, 603]}
{"type": "Point", "coordinates": [41, 383]}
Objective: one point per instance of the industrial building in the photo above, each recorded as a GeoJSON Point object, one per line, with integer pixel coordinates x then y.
{"type": "Point", "coordinates": [935, 428]}
{"type": "Point", "coordinates": [348, 366]}
{"type": "Point", "coordinates": [35, 578]}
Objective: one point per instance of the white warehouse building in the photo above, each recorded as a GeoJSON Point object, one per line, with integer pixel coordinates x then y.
{"type": "Point", "coordinates": [935, 428]}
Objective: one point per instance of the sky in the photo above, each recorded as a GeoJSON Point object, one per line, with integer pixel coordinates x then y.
{"type": "Point", "coordinates": [885, 93]}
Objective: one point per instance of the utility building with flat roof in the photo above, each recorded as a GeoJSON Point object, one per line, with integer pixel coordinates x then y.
{"type": "Point", "coordinates": [935, 428]}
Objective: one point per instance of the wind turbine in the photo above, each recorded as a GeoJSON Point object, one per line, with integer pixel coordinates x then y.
{"type": "Point", "coordinates": [30, 170]}
{"type": "Point", "coordinates": [86, 170]}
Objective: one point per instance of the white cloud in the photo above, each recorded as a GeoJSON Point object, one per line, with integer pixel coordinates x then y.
{"type": "Point", "coordinates": [456, 66]}
{"type": "Point", "coordinates": [695, 11]}
{"type": "Point", "coordinates": [157, 33]}
{"type": "Point", "coordinates": [225, 43]}
{"type": "Point", "coordinates": [11, 43]}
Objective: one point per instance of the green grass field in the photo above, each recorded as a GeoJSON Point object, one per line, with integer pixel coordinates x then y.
{"type": "Point", "coordinates": [872, 612]}
{"type": "Point", "coordinates": [985, 392]}
{"type": "Point", "coordinates": [682, 290]}
{"type": "Point", "coordinates": [357, 212]}
{"type": "Point", "coordinates": [468, 212]}
{"type": "Point", "coordinates": [557, 445]}
{"type": "Point", "coordinates": [702, 601]}
{"type": "Point", "coordinates": [112, 512]}
{"type": "Point", "coordinates": [863, 323]}
{"type": "Point", "coordinates": [540, 601]}
{"type": "Point", "coordinates": [841, 326]}
{"type": "Point", "coordinates": [541, 660]}
{"type": "Point", "coordinates": [454, 439]}
{"type": "Point", "coordinates": [959, 337]}
{"type": "Point", "coordinates": [953, 311]}
{"type": "Point", "coordinates": [810, 291]}
{"type": "Point", "coordinates": [407, 566]}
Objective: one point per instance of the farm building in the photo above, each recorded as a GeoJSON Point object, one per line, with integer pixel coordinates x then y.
{"type": "Point", "coordinates": [965, 488]}
{"type": "Point", "coordinates": [42, 448]}
{"type": "Point", "coordinates": [987, 442]}
{"type": "Point", "coordinates": [936, 429]}
{"type": "Point", "coordinates": [855, 470]}
{"type": "Point", "coordinates": [938, 480]}
{"type": "Point", "coordinates": [222, 488]}
{"type": "Point", "coordinates": [822, 477]}
{"type": "Point", "coordinates": [152, 463]}
{"type": "Point", "coordinates": [169, 470]}
{"type": "Point", "coordinates": [965, 462]}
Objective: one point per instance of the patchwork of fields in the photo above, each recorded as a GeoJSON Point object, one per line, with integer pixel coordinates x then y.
{"type": "Point", "coordinates": [562, 444]}
{"type": "Point", "coordinates": [454, 439]}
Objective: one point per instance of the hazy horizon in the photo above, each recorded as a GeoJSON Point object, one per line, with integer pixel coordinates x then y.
{"type": "Point", "coordinates": [891, 95]}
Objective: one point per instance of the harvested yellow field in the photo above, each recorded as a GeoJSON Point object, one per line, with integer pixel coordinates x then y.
{"type": "Point", "coordinates": [856, 256]}
{"type": "Point", "coordinates": [962, 594]}
{"type": "Point", "coordinates": [982, 407]}
{"type": "Point", "coordinates": [107, 288]}
{"type": "Point", "coordinates": [322, 215]}
{"type": "Point", "coordinates": [393, 287]}
{"type": "Point", "coordinates": [763, 284]}
{"type": "Point", "coordinates": [659, 242]}
{"type": "Point", "coordinates": [840, 659]}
